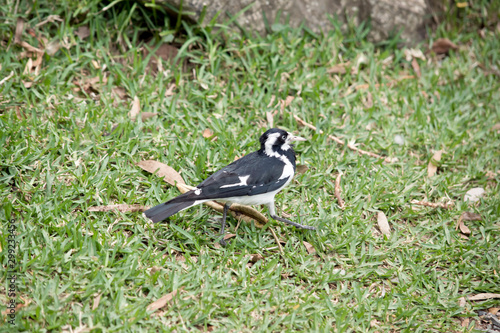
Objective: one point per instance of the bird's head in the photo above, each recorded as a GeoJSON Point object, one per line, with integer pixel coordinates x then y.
{"type": "Point", "coordinates": [277, 139]}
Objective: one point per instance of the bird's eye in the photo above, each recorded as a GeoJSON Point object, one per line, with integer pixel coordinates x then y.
{"type": "Point", "coordinates": [283, 137]}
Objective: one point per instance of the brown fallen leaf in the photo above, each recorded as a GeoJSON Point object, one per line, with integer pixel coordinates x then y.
{"type": "Point", "coordinates": [227, 236]}
{"type": "Point", "coordinates": [96, 302]}
{"type": "Point", "coordinates": [119, 92]}
{"type": "Point", "coordinates": [286, 102]}
{"type": "Point", "coordinates": [338, 68]}
{"type": "Point", "coordinates": [494, 311]}
{"type": "Point", "coordinates": [208, 133]}
{"type": "Point", "coordinates": [136, 108]}
{"type": "Point", "coordinates": [463, 228]}
{"type": "Point", "coordinates": [165, 52]}
{"type": "Point", "coordinates": [369, 100]}
{"type": "Point", "coordinates": [19, 30]}
{"type": "Point", "coordinates": [383, 224]}
{"type": "Point", "coordinates": [270, 119]}
{"type": "Point", "coordinates": [432, 166]}
{"type": "Point", "coordinates": [168, 173]}
{"type": "Point", "coordinates": [120, 207]}
{"type": "Point", "coordinates": [164, 300]}
{"type": "Point", "coordinates": [170, 90]}
{"type": "Point", "coordinates": [27, 84]}
{"type": "Point", "coordinates": [338, 191]}
{"type": "Point", "coordinates": [496, 127]}
{"type": "Point", "coordinates": [469, 216]}
{"type": "Point", "coordinates": [52, 47]}
{"type": "Point", "coordinates": [479, 297]}
{"type": "Point", "coordinates": [443, 46]}
{"type": "Point", "coordinates": [433, 204]}
{"type": "Point", "coordinates": [83, 31]}
{"type": "Point", "coordinates": [301, 169]}
{"type": "Point", "coordinates": [147, 115]}
{"type": "Point", "coordinates": [310, 249]}
{"type": "Point", "coordinates": [256, 257]}
{"type": "Point", "coordinates": [416, 67]}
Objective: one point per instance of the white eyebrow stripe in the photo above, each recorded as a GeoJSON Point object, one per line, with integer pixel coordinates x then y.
{"type": "Point", "coordinates": [243, 182]}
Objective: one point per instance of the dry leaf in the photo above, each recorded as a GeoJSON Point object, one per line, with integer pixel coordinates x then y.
{"type": "Point", "coordinates": [465, 322]}
{"type": "Point", "coordinates": [207, 133]}
{"type": "Point", "coordinates": [121, 208]}
{"type": "Point", "coordinates": [19, 31]}
{"type": "Point", "coordinates": [162, 301]}
{"type": "Point", "coordinates": [119, 92]}
{"type": "Point", "coordinates": [136, 108]}
{"type": "Point", "coordinates": [27, 84]}
{"type": "Point", "coordinates": [478, 297]}
{"type": "Point", "coordinates": [496, 127]}
{"type": "Point", "coordinates": [338, 193]}
{"type": "Point", "coordinates": [493, 311]}
{"type": "Point", "coordinates": [474, 194]}
{"type": "Point", "coordinates": [286, 102]}
{"type": "Point", "coordinates": [433, 204]}
{"type": "Point", "coordinates": [369, 100]}
{"type": "Point", "coordinates": [170, 90]}
{"type": "Point", "coordinates": [270, 119]}
{"type": "Point", "coordinates": [413, 54]}
{"type": "Point", "coordinates": [310, 249]}
{"type": "Point", "coordinates": [469, 216]}
{"type": "Point", "coordinates": [28, 67]}
{"type": "Point", "coordinates": [432, 166]}
{"type": "Point", "coordinates": [96, 302]}
{"type": "Point", "coordinates": [443, 46]}
{"type": "Point", "coordinates": [301, 169]}
{"type": "Point", "coordinates": [227, 236]}
{"type": "Point", "coordinates": [147, 115]}
{"type": "Point", "coordinates": [463, 228]}
{"type": "Point", "coordinates": [83, 32]}
{"type": "Point", "coordinates": [338, 68]}
{"type": "Point", "coordinates": [168, 173]}
{"type": "Point", "coordinates": [52, 47]}
{"type": "Point", "coordinates": [383, 224]}
{"type": "Point", "coordinates": [416, 67]}
{"type": "Point", "coordinates": [256, 257]}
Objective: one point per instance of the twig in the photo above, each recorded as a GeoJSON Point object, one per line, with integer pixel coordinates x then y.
{"type": "Point", "coordinates": [338, 191]}
{"type": "Point", "coordinates": [433, 204]}
{"type": "Point", "coordinates": [277, 241]}
{"type": "Point", "coordinates": [349, 145]}
{"type": "Point", "coordinates": [7, 78]}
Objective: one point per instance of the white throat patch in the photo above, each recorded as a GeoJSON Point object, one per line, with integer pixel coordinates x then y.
{"type": "Point", "coordinates": [268, 150]}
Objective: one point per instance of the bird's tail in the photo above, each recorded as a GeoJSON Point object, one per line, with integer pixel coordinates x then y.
{"type": "Point", "coordinates": [162, 211]}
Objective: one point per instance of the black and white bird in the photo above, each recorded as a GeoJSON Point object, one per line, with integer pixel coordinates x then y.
{"type": "Point", "coordinates": [254, 179]}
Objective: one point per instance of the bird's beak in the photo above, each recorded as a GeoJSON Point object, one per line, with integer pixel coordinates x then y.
{"type": "Point", "coordinates": [293, 138]}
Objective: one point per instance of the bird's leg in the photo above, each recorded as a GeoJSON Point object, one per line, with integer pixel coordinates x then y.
{"type": "Point", "coordinates": [223, 223]}
{"type": "Point", "coordinates": [276, 217]}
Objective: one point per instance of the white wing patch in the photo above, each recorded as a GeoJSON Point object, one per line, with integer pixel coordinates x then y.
{"type": "Point", "coordinates": [243, 182]}
{"type": "Point", "coordinates": [197, 191]}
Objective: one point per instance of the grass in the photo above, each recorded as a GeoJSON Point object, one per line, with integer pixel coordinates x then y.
{"type": "Point", "coordinates": [94, 271]}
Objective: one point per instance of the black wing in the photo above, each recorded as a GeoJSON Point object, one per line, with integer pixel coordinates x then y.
{"type": "Point", "coordinates": [263, 176]}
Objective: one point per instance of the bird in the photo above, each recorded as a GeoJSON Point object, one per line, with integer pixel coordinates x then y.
{"type": "Point", "coordinates": [254, 179]}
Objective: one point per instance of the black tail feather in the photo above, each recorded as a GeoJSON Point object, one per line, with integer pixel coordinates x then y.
{"type": "Point", "coordinates": [162, 211]}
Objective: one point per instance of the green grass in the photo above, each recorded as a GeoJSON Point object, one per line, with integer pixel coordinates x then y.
{"type": "Point", "coordinates": [56, 162]}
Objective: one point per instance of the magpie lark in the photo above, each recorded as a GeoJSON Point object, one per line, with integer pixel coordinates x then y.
{"type": "Point", "coordinates": [253, 179]}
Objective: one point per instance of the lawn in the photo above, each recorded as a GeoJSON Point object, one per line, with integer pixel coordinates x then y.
{"type": "Point", "coordinates": [76, 121]}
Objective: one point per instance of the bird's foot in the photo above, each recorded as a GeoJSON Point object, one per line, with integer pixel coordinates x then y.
{"type": "Point", "coordinates": [296, 225]}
